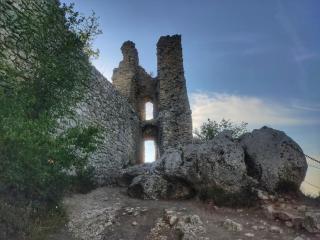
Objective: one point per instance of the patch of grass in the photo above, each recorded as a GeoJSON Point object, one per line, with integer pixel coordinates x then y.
{"type": "Point", "coordinates": [245, 198]}
{"type": "Point", "coordinates": [14, 220]}
{"type": "Point", "coordinates": [47, 223]}
{"type": "Point", "coordinates": [25, 219]}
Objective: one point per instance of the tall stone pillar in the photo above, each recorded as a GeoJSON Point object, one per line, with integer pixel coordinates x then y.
{"type": "Point", "coordinates": [175, 123]}
{"type": "Point", "coordinates": [124, 77]}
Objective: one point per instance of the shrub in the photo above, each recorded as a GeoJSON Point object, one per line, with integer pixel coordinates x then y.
{"type": "Point", "coordinates": [208, 130]}
{"type": "Point", "coordinates": [40, 89]}
{"type": "Point", "coordinates": [44, 72]}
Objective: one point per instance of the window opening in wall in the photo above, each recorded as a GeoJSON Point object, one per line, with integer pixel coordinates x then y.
{"type": "Point", "coordinates": [149, 111]}
{"type": "Point", "coordinates": [149, 151]}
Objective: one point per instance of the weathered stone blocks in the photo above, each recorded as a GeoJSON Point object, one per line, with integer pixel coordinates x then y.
{"type": "Point", "coordinates": [172, 124]}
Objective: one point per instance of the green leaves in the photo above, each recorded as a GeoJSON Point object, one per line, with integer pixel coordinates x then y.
{"type": "Point", "coordinates": [210, 129]}
{"type": "Point", "coordinates": [39, 89]}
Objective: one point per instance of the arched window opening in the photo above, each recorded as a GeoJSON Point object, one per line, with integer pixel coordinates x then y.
{"type": "Point", "coordinates": [149, 151]}
{"type": "Point", "coordinates": [149, 110]}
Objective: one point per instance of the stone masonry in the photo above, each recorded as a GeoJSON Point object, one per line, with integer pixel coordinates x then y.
{"type": "Point", "coordinates": [171, 125]}
{"type": "Point", "coordinates": [107, 105]}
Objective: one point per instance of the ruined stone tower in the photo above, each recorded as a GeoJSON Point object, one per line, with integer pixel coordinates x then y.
{"type": "Point", "coordinates": [171, 125]}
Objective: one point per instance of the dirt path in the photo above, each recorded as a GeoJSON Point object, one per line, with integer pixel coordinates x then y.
{"type": "Point", "coordinates": [109, 214]}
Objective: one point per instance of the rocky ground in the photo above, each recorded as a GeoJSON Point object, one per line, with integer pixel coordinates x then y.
{"type": "Point", "coordinates": [109, 214]}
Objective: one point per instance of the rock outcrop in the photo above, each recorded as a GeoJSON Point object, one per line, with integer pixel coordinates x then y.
{"type": "Point", "coordinates": [217, 164]}
{"type": "Point", "coordinates": [265, 158]}
{"type": "Point", "coordinates": [155, 186]}
{"type": "Point", "coordinates": [274, 159]}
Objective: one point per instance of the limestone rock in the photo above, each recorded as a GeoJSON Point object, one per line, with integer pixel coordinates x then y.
{"type": "Point", "coordinates": [196, 167]}
{"type": "Point", "coordinates": [218, 163]}
{"type": "Point", "coordinates": [291, 217]}
{"type": "Point", "coordinates": [276, 229]}
{"type": "Point", "coordinates": [91, 223]}
{"type": "Point", "coordinates": [262, 195]}
{"type": "Point", "coordinates": [299, 238]}
{"type": "Point", "coordinates": [134, 223]}
{"type": "Point", "coordinates": [231, 225]}
{"type": "Point", "coordinates": [249, 235]}
{"type": "Point", "coordinates": [178, 225]}
{"type": "Point", "coordinates": [311, 222]}
{"type": "Point", "coordinates": [190, 228]}
{"type": "Point", "coordinates": [156, 187]}
{"type": "Point", "coordinates": [128, 174]}
{"type": "Point", "coordinates": [274, 159]}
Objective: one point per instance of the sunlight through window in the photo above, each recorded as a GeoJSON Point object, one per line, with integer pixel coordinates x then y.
{"type": "Point", "coordinates": [149, 151]}
{"type": "Point", "coordinates": [149, 111]}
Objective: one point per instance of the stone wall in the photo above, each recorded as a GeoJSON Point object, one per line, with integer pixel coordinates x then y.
{"type": "Point", "coordinates": [119, 109]}
{"type": "Point", "coordinates": [102, 104]}
{"type": "Point", "coordinates": [108, 109]}
{"type": "Point", "coordinates": [14, 15]}
{"type": "Point", "coordinates": [174, 110]}
{"type": "Point", "coordinates": [138, 87]}
{"type": "Point", "coordinates": [172, 124]}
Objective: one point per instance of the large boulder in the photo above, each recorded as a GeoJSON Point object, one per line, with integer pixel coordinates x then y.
{"type": "Point", "coordinates": [153, 186]}
{"type": "Point", "coordinates": [217, 164]}
{"type": "Point", "coordinates": [128, 174]}
{"type": "Point", "coordinates": [274, 159]}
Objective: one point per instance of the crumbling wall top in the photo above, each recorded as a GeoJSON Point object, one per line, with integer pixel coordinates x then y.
{"type": "Point", "coordinates": [169, 41]}
{"type": "Point", "coordinates": [130, 53]}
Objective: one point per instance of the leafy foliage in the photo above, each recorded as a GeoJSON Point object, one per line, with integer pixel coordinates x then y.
{"type": "Point", "coordinates": [37, 91]}
{"type": "Point", "coordinates": [210, 129]}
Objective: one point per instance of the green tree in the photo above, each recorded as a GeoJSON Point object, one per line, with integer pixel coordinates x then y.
{"type": "Point", "coordinates": [208, 130]}
{"type": "Point", "coordinates": [45, 75]}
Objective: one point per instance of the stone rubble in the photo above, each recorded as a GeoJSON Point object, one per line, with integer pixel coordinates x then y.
{"type": "Point", "coordinates": [276, 229]}
{"type": "Point", "coordinates": [291, 214]}
{"type": "Point", "coordinates": [250, 235]}
{"type": "Point", "coordinates": [91, 223]}
{"type": "Point", "coordinates": [184, 227]}
{"type": "Point", "coordinates": [231, 225]}
{"type": "Point", "coordinates": [312, 221]}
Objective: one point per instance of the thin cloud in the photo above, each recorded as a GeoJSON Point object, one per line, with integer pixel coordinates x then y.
{"type": "Point", "coordinates": [304, 56]}
{"type": "Point", "coordinates": [307, 108]}
{"type": "Point", "coordinates": [253, 110]}
{"type": "Point", "coordinates": [247, 38]}
{"type": "Point", "coordinates": [306, 105]}
{"type": "Point", "coordinates": [300, 53]}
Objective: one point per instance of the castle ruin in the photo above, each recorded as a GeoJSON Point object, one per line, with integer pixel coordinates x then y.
{"type": "Point", "coordinates": [171, 125]}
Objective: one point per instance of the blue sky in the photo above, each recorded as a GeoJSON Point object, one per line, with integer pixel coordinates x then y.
{"type": "Point", "coordinates": [248, 60]}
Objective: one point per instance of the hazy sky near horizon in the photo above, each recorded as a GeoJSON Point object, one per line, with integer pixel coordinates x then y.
{"type": "Point", "coordinates": [248, 60]}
